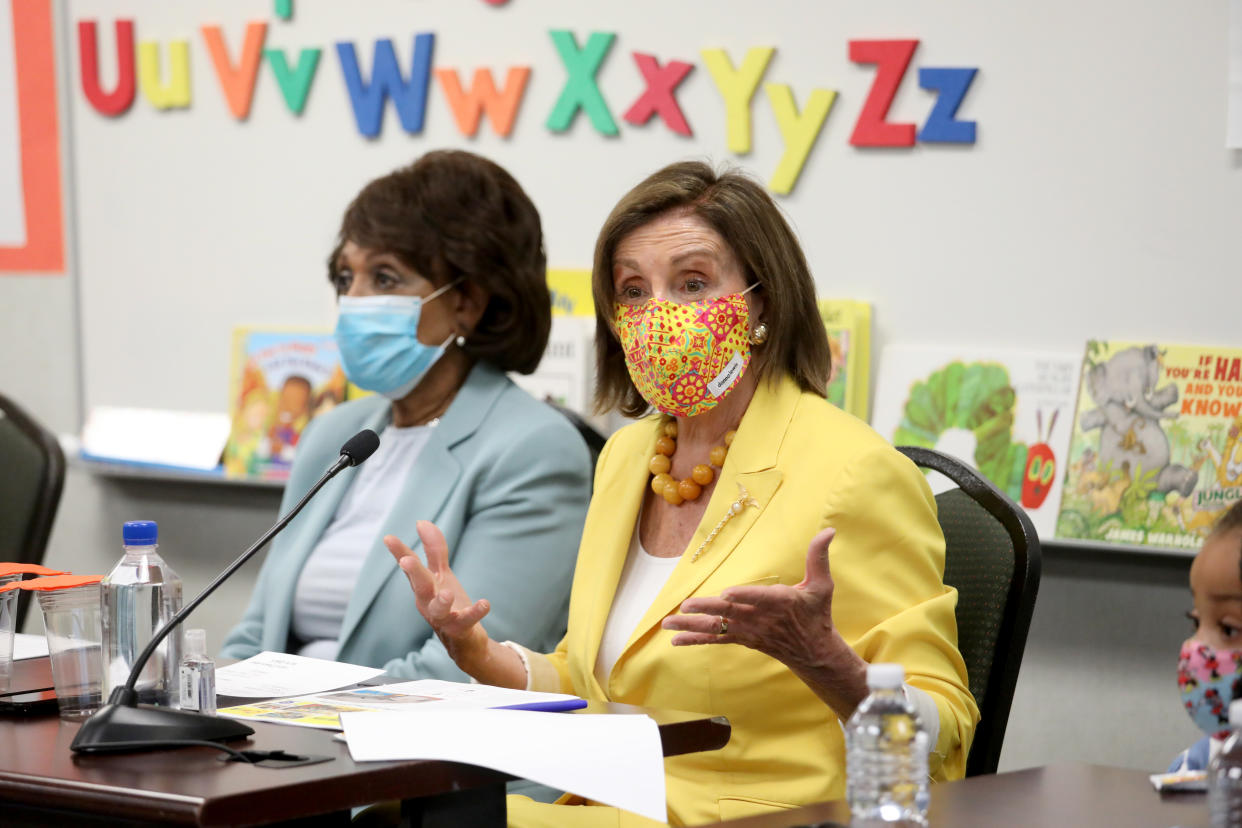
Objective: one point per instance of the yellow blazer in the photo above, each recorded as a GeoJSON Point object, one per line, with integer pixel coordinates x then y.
{"type": "Point", "coordinates": [806, 465]}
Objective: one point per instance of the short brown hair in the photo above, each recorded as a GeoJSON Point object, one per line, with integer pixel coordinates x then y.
{"type": "Point", "coordinates": [741, 211]}
{"type": "Point", "coordinates": [455, 215]}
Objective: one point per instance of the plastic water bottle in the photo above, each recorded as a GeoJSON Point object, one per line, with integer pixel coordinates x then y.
{"type": "Point", "coordinates": [886, 754]}
{"type": "Point", "coordinates": [1225, 775]}
{"type": "Point", "coordinates": [198, 675]}
{"type": "Point", "coordinates": [137, 598]}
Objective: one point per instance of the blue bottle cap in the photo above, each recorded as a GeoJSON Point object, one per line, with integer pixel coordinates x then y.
{"type": "Point", "coordinates": [140, 533]}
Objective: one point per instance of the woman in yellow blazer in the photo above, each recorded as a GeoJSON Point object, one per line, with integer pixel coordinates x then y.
{"type": "Point", "coordinates": [703, 579]}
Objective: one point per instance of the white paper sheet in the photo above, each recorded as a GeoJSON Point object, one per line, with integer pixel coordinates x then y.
{"type": "Point", "coordinates": [281, 674]}
{"type": "Point", "coordinates": [183, 439]}
{"type": "Point", "coordinates": [613, 759]}
{"type": "Point", "coordinates": [28, 646]}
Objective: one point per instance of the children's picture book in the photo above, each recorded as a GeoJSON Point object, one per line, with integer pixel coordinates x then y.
{"type": "Point", "coordinates": [280, 380]}
{"type": "Point", "coordinates": [848, 323]}
{"type": "Point", "coordinates": [1155, 457]}
{"type": "Point", "coordinates": [1005, 412]}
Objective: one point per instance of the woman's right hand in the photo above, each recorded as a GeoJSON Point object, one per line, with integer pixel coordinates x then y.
{"type": "Point", "coordinates": [440, 597]}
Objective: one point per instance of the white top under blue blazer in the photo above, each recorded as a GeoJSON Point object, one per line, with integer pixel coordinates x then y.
{"type": "Point", "coordinates": [504, 476]}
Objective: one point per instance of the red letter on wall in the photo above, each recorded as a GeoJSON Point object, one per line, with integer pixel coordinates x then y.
{"type": "Point", "coordinates": [891, 58]}
{"type": "Point", "coordinates": [119, 99]}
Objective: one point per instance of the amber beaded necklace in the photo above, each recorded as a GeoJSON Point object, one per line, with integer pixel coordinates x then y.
{"type": "Point", "coordinates": [674, 491]}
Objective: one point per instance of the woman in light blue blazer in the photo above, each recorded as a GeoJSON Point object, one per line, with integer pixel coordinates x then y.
{"type": "Point", "coordinates": [440, 277]}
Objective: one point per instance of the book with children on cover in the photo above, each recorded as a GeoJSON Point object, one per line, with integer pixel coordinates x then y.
{"type": "Point", "coordinates": [1155, 456]}
{"type": "Point", "coordinates": [280, 380]}
{"type": "Point", "coordinates": [1004, 411]}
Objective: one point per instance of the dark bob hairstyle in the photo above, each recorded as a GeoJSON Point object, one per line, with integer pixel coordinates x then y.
{"type": "Point", "coordinates": [455, 215]}
{"type": "Point", "coordinates": [742, 212]}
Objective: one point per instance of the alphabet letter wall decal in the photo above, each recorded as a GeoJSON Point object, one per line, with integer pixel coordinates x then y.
{"type": "Point", "coordinates": [942, 126]}
{"type": "Point", "coordinates": [581, 90]}
{"type": "Point", "coordinates": [661, 94]}
{"type": "Point", "coordinates": [238, 81]}
{"type": "Point", "coordinates": [294, 84]}
{"type": "Point", "coordinates": [891, 58]}
{"type": "Point", "coordinates": [174, 94]}
{"type": "Point", "coordinates": [798, 130]}
{"type": "Point", "coordinates": [410, 97]}
{"type": "Point", "coordinates": [122, 97]}
{"type": "Point", "coordinates": [737, 87]}
{"type": "Point", "coordinates": [468, 107]}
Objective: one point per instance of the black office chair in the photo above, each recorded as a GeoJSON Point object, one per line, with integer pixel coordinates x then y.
{"type": "Point", "coordinates": [593, 439]}
{"type": "Point", "coordinates": [992, 558]}
{"type": "Point", "coordinates": [32, 475]}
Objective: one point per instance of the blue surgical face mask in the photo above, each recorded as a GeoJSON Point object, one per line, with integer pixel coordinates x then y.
{"type": "Point", "coordinates": [378, 338]}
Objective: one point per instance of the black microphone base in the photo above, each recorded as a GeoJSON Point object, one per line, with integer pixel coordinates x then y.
{"type": "Point", "coordinates": [115, 728]}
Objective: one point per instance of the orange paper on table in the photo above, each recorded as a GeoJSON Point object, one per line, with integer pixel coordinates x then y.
{"type": "Point", "coordinates": [52, 582]}
{"type": "Point", "coordinates": [7, 569]}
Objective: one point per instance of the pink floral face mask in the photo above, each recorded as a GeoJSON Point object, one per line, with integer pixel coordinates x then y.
{"type": "Point", "coordinates": [684, 358]}
{"type": "Point", "coordinates": [1206, 677]}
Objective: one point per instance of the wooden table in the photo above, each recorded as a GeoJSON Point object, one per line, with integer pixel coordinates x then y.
{"type": "Point", "coordinates": [42, 782]}
{"type": "Point", "coordinates": [1069, 795]}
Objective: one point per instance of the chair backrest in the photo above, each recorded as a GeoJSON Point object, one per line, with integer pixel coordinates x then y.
{"type": "Point", "coordinates": [593, 439]}
{"type": "Point", "coordinates": [992, 558]}
{"type": "Point", "coordinates": [32, 474]}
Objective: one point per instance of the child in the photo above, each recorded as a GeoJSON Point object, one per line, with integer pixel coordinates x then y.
{"type": "Point", "coordinates": [1209, 671]}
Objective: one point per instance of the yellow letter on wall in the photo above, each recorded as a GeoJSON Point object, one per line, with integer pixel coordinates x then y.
{"type": "Point", "coordinates": [737, 87]}
{"type": "Point", "coordinates": [798, 131]}
{"type": "Point", "coordinates": [175, 93]}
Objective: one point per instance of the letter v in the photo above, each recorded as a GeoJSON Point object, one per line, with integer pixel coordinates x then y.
{"type": "Point", "coordinates": [237, 82]}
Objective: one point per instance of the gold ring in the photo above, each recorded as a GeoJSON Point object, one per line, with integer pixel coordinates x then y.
{"type": "Point", "coordinates": [724, 626]}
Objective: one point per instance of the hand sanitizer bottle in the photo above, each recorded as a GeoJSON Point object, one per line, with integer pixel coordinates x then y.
{"type": "Point", "coordinates": [198, 675]}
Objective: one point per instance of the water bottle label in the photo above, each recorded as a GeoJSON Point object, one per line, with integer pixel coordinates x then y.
{"type": "Point", "coordinates": [189, 689]}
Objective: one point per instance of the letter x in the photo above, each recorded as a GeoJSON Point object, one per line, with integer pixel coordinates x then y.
{"type": "Point", "coordinates": [660, 96]}
{"type": "Point", "coordinates": [581, 91]}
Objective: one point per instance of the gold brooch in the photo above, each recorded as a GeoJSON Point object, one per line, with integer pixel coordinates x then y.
{"type": "Point", "coordinates": [743, 500]}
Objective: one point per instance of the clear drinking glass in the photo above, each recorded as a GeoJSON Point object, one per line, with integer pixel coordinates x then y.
{"type": "Point", "coordinates": [8, 615]}
{"type": "Point", "coordinates": [71, 623]}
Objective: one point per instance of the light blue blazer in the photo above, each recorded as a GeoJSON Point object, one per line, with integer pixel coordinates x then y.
{"type": "Point", "coordinates": [506, 478]}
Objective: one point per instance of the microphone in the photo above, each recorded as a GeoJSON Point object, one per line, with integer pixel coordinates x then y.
{"type": "Point", "coordinates": [122, 724]}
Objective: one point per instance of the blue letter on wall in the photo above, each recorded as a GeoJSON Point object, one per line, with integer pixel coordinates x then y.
{"type": "Point", "coordinates": [386, 81]}
{"type": "Point", "coordinates": [942, 126]}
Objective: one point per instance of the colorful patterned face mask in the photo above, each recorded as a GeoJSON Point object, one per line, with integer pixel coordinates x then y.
{"type": "Point", "coordinates": [1206, 677]}
{"type": "Point", "coordinates": [684, 358]}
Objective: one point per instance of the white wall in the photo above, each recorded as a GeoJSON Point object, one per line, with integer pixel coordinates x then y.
{"type": "Point", "coordinates": [1099, 192]}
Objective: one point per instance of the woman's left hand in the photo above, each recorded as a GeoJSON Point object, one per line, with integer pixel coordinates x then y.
{"type": "Point", "coordinates": [793, 624]}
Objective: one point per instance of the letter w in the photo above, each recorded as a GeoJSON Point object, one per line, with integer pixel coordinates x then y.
{"type": "Point", "coordinates": [386, 81]}
{"type": "Point", "coordinates": [501, 106]}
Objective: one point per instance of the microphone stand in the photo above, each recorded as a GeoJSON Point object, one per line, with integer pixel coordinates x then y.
{"type": "Point", "coordinates": [122, 724]}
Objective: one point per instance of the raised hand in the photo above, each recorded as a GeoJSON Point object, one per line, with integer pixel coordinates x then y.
{"type": "Point", "coordinates": [440, 597]}
{"type": "Point", "coordinates": [793, 624]}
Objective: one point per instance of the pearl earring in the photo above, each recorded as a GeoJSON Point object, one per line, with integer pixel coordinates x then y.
{"type": "Point", "coordinates": [760, 334]}
{"type": "Point", "coordinates": [460, 341]}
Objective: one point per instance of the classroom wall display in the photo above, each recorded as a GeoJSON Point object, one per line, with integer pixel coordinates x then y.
{"type": "Point", "coordinates": [1156, 456]}
{"type": "Point", "coordinates": [377, 81]}
{"type": "Point", "coordinates": [848, 324]}
{"type": "Point", "coordinates": [1006, 412]}
{"type": "Point", "coordinates": [31, 219]}
{"type": "Point", "coordinates": [281, 380]}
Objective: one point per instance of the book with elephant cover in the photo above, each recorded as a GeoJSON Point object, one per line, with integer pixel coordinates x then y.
{"type": "Point", "coordinates": [848, 323]}
{"type": "Point", "coordinates": [1005, 412]}
{"type": "Point", "coordinates": [1156, 456]}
